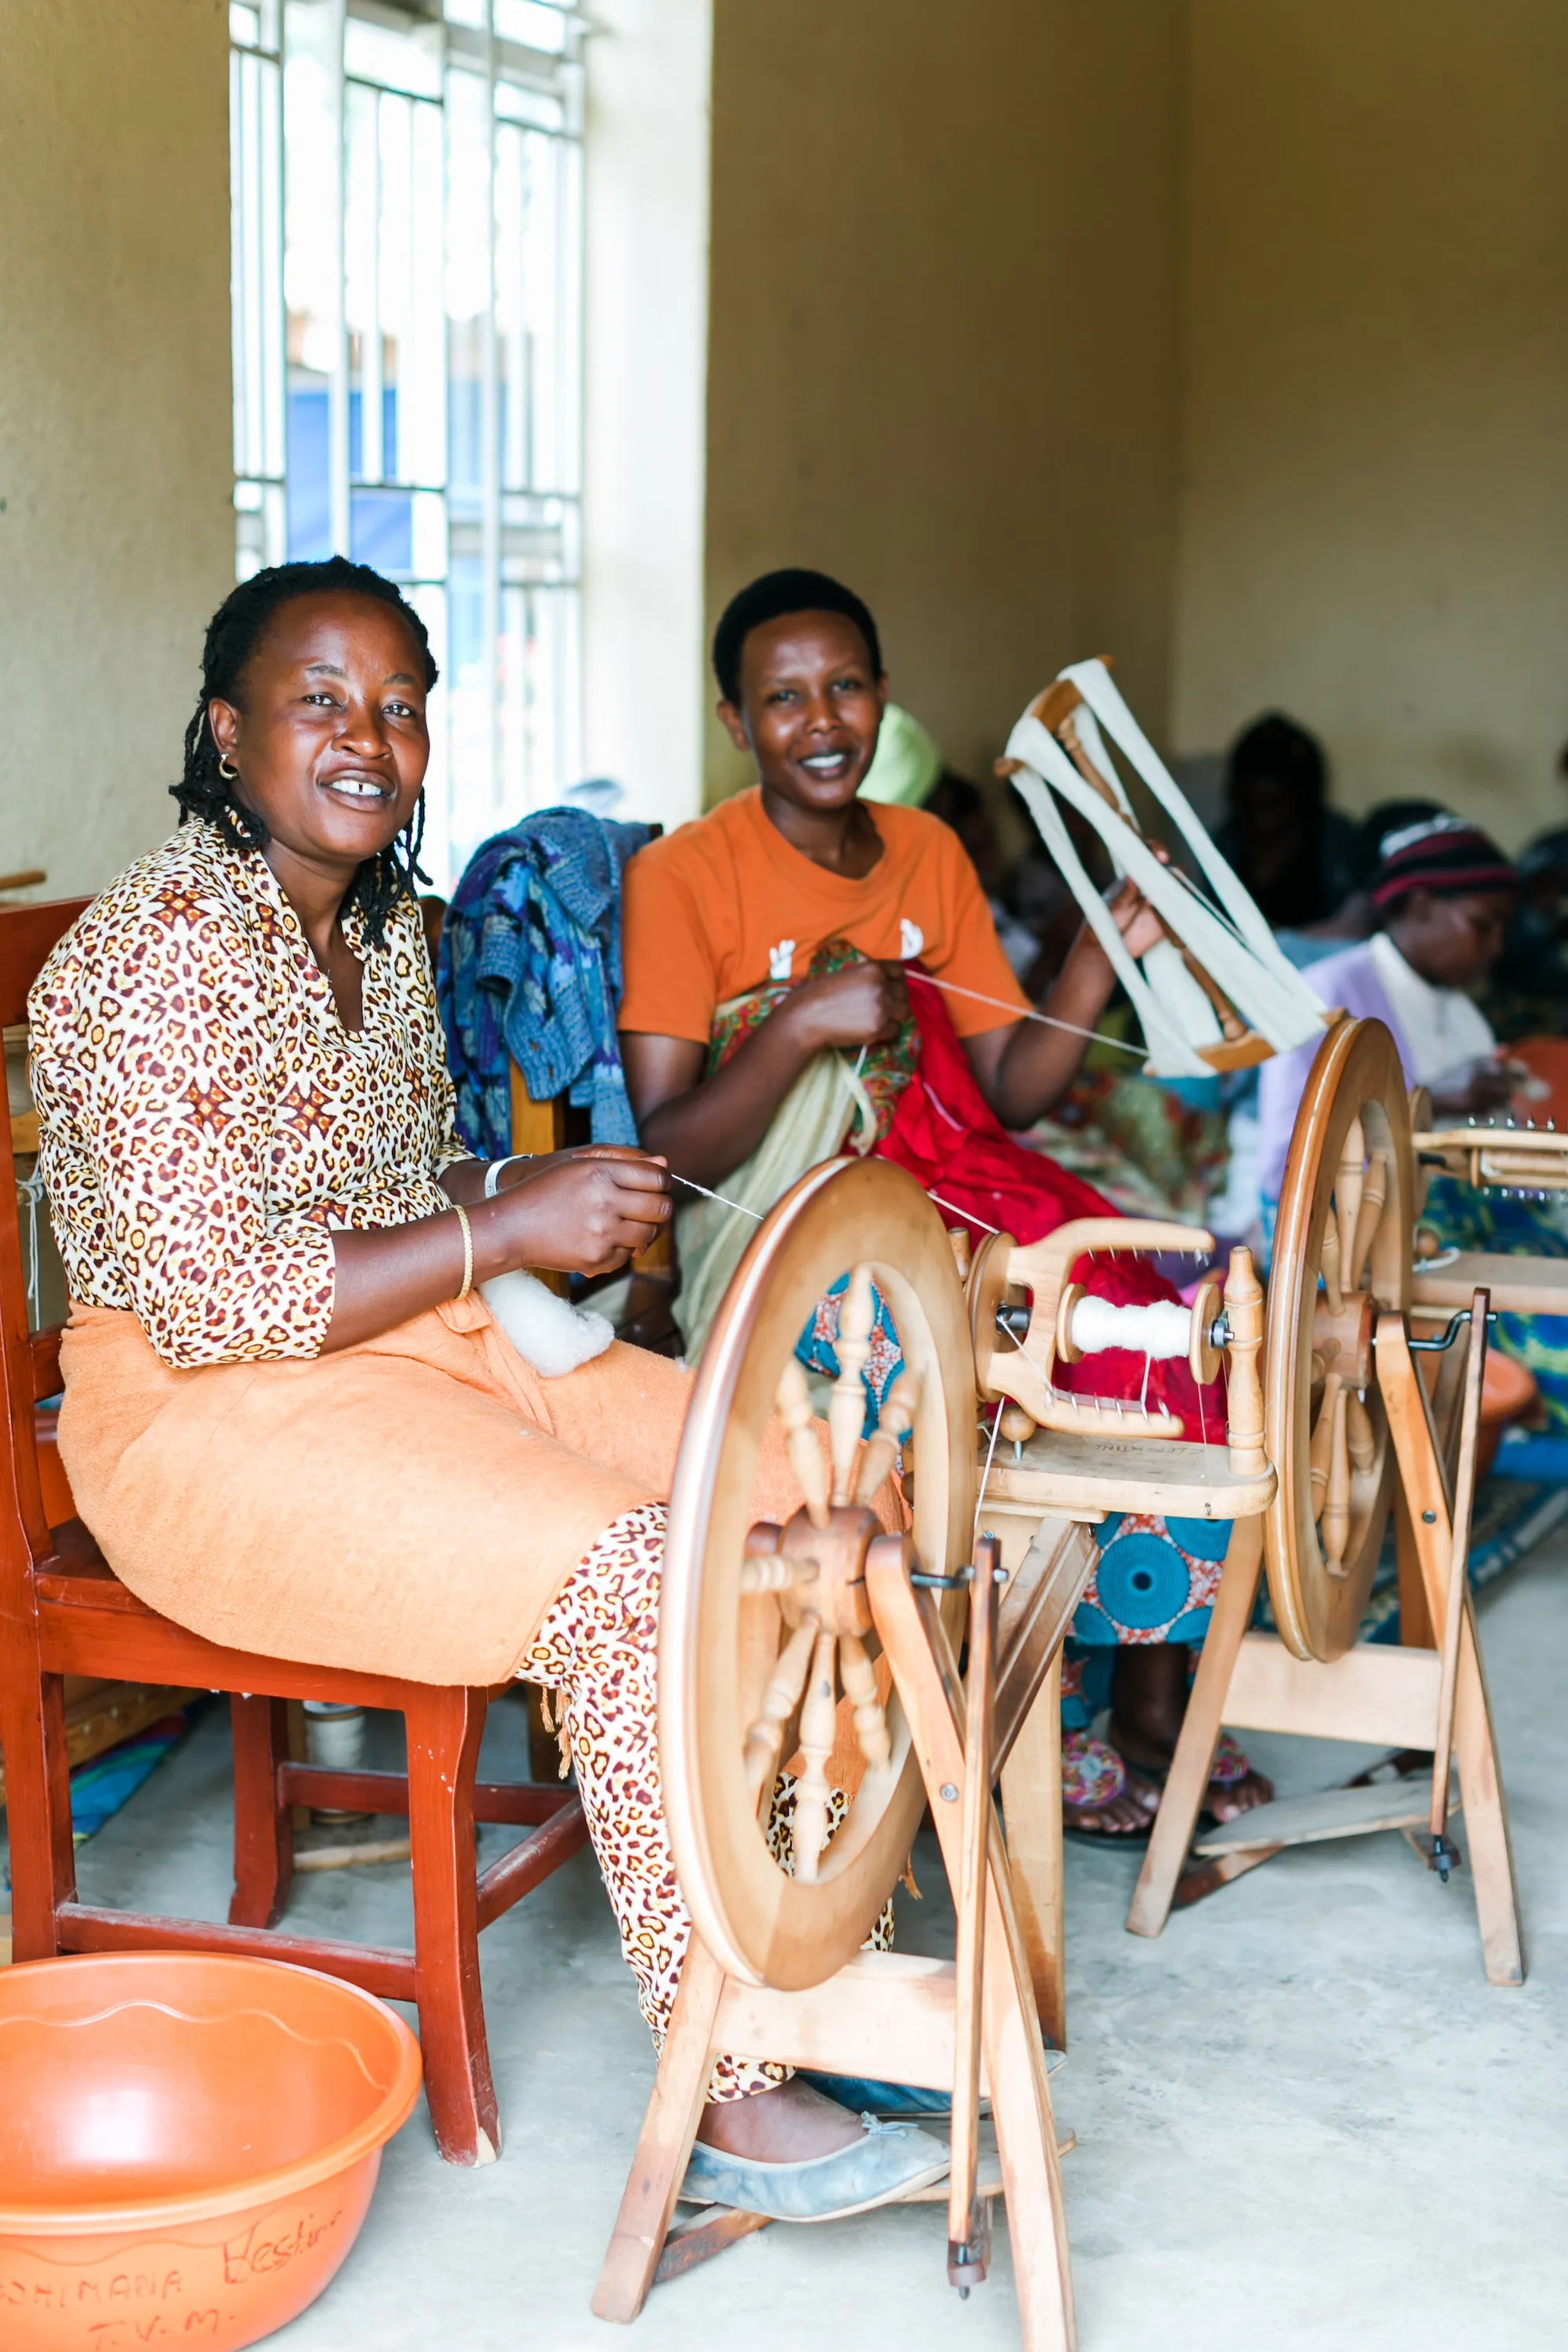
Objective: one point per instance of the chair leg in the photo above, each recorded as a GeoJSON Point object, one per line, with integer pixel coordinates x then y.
{"type": "Point", "coordinates": [39, 1813]}
{"type": "Point", "coordinates": [263, 1823]}
{"type": "Point", "coordinates": [445, 1727]}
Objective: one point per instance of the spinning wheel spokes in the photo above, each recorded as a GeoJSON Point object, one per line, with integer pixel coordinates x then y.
{"type": "Point", "coordinates": [774, 1659]}
{"type": "Point", "coordinates": [1341, 1254]}
{"type": "Point", "coordinates": [826, 1651]}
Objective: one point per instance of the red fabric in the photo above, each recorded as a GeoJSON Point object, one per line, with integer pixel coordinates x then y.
{"type": "Point", "coordinates": [946, 1135]}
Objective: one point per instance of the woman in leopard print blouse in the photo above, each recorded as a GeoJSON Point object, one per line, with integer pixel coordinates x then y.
{"type": "Point", "coordinates": [289, 1419]}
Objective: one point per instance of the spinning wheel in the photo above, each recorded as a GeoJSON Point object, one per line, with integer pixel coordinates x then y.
{"type": "Point", "coordinates": [761, 1627]}
{"type": "Point", "coordinates": [1345, 1417]}
{"type": "Point", "coordinates": [1342, 1256]}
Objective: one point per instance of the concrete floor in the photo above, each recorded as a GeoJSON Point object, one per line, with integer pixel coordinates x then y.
{"type": "Point", "coordinates": [1303, 2118]}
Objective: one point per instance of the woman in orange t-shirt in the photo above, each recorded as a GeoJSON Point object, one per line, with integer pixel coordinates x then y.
{"type": "Point", "coordinates": [749, 896]}
{"type": "Point", "coordinates": [794, 922]}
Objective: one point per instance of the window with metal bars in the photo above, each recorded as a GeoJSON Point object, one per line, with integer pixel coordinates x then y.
{"type": "Point", "coordinates": [407, 266]}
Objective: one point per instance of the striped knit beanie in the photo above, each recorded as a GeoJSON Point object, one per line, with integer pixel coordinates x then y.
{"type": "Point", "coordinates": [1444, 854]}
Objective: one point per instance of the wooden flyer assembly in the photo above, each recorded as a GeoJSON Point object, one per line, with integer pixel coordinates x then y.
{"type": "Point", "coordinates": [1218, 993]}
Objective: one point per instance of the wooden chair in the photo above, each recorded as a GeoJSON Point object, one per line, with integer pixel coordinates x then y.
{"type": "Point", "coordinates": [64, 1613]}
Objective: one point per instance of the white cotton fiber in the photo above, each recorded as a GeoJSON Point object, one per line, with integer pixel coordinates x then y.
{"type": "Point", "coordinates": [548, 1332]}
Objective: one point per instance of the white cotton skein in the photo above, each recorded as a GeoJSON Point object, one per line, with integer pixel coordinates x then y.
{"type": "Point", "coordinates": [1161, 1331]}
{"type": "Point", "coordinates": [548, 1332]}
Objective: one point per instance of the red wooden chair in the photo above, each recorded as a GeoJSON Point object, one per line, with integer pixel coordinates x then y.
{"type": "Point", "coordinates": [64, 1613]}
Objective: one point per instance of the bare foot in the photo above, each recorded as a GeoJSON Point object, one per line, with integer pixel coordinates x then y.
{"type": "Point", "coordinates": [1228, 1799]}
{"type": "Point", "coordinates": [788, 2125]}
{"type": "Point", "coordinates": [1127, 1815]}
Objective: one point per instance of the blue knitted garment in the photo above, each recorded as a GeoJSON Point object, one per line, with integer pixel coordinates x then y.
{"type": "Point", "coordinates": [530, 972]}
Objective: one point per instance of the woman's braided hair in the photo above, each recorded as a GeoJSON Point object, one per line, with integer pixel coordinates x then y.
{"type": "Point", "coordinates": [235, 631]}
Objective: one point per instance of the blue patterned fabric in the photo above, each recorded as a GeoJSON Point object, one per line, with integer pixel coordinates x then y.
{"type": "Point", "coordinates": [530, 972]}
{"type": "Point", "coordinates": [818, 1351]}
{"type": "Point", "coordinates": [1466, 1218]}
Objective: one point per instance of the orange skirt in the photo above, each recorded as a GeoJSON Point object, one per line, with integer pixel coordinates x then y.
{"type": "Point", "coordinates": [409, 1506]}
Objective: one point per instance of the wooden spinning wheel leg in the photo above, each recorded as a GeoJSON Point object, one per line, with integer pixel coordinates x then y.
{"type": "Point", "coordinates": [1032, 1801]}
{"type": "Point", "coordinates": [927, 1675]}
{"type": "Point", "coordinates": [1189, 1775]}
{"type": "Point", "coordinates": [1025, 2129]}
{"type": "Point", "coordinates": [664, 2146]}
{"type": "Point", "coordinates": [1490, 1853]}
{"type": "Point", "coordinates": [1032, 1807]}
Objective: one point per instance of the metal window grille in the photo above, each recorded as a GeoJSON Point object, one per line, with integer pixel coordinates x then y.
{"type": "Point", "coordinates": [407, 262]}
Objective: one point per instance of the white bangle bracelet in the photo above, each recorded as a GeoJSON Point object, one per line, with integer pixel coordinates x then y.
{"type": "Point", "coordinates": [496, 1168]}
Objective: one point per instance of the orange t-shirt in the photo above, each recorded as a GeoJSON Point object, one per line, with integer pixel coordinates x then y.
{"type": "Point", "coordinates": [725, 903]}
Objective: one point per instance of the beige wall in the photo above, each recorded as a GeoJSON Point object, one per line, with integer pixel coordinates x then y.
{"type": "Point", "coordinates": [116, 532]}
{"type": "Point", "coordinates": [1374, 337]}
{"type": "Point", "coordinates": [942, 358]}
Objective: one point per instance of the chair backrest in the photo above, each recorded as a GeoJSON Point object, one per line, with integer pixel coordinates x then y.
{"type": "Point", "coordinates": [31, 1360]}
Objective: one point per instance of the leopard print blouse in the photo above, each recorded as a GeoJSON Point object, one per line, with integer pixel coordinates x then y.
{"type": "Point", "coordinates": [205, 1118]}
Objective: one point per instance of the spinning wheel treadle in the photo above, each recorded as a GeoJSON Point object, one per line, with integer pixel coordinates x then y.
{"type": "Point", "coordinates": [1346, 1210]}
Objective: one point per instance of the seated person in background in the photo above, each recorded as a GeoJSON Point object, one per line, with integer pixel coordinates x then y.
{"type": "Point", "coordinates": [803, 973]}
{"type": "Point", "coordinates": [1293, 852]}
{"type": "Point", "coordinates": [1443, 894]}
{"type": "Point", "coordinates": [960, 804]}
{"type": "Point", "coordinates": [1356, 918]}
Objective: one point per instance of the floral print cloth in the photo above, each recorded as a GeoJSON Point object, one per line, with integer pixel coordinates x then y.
{"type": "Point", "coordinates": [205, 1118]}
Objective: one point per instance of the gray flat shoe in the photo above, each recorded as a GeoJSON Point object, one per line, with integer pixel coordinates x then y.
{"type": "Point", "coordinates": [886, 2163]}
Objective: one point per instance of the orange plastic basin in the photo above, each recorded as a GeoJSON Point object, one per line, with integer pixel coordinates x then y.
{"type": "Point", "coordinates": [188, 2145]}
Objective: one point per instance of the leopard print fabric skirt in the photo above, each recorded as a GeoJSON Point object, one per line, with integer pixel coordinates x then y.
{"type": "Point", "coordinates": [597, 1647]}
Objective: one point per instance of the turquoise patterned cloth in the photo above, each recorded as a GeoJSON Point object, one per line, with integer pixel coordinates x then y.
{"type": "Point", "coordinates": [1465, 1217]}
{"type": "Point", "coordinates": [1154, 1581]}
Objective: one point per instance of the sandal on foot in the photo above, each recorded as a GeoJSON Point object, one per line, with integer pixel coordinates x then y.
{"type": "Point", "coordinates": [886, 2163]}
{"type": "Point", "coordinates": [1231, 1765]}
{"type": "Point", "coordinates": [1094, 1774]}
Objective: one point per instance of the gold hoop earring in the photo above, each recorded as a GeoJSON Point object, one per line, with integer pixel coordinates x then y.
{"type": "Point", "coordinates": [230, 775]}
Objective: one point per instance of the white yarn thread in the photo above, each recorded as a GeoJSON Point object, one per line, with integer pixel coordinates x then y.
{"type": "Point", "coordinates": [1161, 1331]}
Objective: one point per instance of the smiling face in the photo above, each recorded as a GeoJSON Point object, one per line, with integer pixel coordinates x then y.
{"type": "Point", "coordinates": [328, 732]}
{"type": "Point", "coordinates": [810, 709]}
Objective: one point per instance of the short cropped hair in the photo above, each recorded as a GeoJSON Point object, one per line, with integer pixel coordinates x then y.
{"type": "Point", "coordinates": [770, 598]}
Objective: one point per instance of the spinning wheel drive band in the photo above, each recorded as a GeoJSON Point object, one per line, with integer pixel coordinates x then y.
{"type": "Point", "coordinates": [761, 1627]}
{"type": "Point", "coordinates": [1346, 1210]}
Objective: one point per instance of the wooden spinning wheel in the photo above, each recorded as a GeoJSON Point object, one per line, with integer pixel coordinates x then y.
{"type": "Point", "coordinates": [1347, 1421]}
{"type": "Point", "coordinates": [761, 1626]}
{"type": "Point", "coordinates": [1342, 1256]}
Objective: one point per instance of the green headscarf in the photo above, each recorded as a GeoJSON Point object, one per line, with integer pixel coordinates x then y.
{"type": "Point", "coordinates": [907, 762]}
